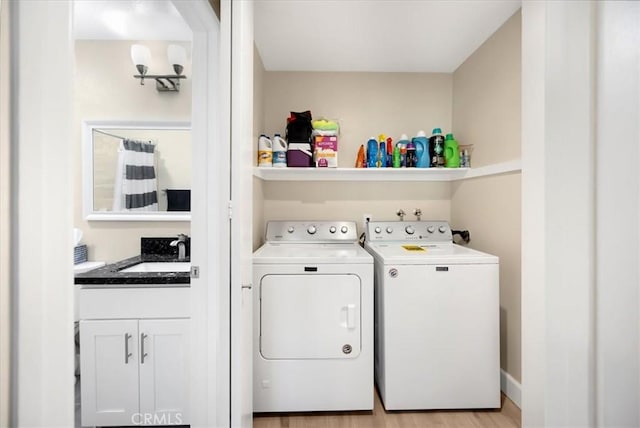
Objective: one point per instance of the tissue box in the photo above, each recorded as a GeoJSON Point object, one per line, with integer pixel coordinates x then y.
{"type": "Point", "coordinates": [299, 155]}
{"type": "Point", "coordinates": [326, 151]}
{"type": "Point", "coordinates": [80, 254]}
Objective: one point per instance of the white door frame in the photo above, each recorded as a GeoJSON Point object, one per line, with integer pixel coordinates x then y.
{"type": "Point", "coordinates": [42, 194]}
{"type": "Point", "coordinates": [210, 349]}
{"type": "Point", "coordinates": [241, 221]}
{"type": "Point", "coordinates": [41, 219]}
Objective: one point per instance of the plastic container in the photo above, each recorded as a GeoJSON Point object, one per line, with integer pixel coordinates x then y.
{"type": "Point", "coordinates": [299, 155]}
{"type": "Point", "coordinates": [421, 142]}
{"type": "Point", "coordinates": [403, 142]}
{"type": "Point", "coordinates": [279, 146]}
{"type": "Point", "coordinates": [265, 151]}
{"type": "Point", "coordinates": [372, 153]}
{"type": "Point", "coordinates": [411, 156]}
{"type": "Point", "coordinates": [436, 148]}
{"type": "Point", "coordinates": [451, 152]}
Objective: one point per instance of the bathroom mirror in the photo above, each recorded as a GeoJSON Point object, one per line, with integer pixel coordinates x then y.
{"type": "Point", "coordinates": [137, 171]}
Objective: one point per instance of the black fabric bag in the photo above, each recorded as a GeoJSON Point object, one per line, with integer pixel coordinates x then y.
{"type": "Point", "coordinates": [299, 127]}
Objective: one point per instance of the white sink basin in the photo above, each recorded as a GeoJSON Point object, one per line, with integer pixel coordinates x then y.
{"type": "Point", "coordinates": [159, 267]}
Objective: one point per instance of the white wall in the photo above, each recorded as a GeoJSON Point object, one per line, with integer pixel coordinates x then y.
{"type": "Point", "coordinates": [106, 90]}
{"type": "Point", "coordinates": [486, 113]}
{"type": "Point", "coordinates": [558, 219]}
{"type": "Point", "coordinates": [618, 215]}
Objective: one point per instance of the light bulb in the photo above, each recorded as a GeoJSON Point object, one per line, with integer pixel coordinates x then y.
{"type": "Point", "coordinates": [141, 57]}
{"type": "Point", "coordinates": [177, 56]}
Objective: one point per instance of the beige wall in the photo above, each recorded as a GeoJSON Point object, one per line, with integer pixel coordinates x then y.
{"type": "Point", "coordinates": [366, 104]}
{"type": "Point", "coordinates": [5, 243]}
{"type": "Point", "coordinates": [106, 90]}
{"type": "Point", "coordinates": [258, 127]}
{"type": "Point", "coordinates": [486, 113]}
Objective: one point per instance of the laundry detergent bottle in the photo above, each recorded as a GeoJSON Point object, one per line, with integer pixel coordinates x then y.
{"type": "Point", "coordinates": [372, 153]}
{"type": "Point", "coordinates": [451, 152]}
{"type": "Point", "coordinates": [265, 151]}
{"type": "Point", "coordinates": [436, 148]}
{"type": "Point", "coordinates": [421, 142]}
{"type": "Point", "coordinates": [279, 151]}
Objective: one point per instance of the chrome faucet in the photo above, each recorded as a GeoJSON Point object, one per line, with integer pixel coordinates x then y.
{"type": "Point", "coordinates": [400, 213]}
{"type": "Point", "coordinates": [181, 243]}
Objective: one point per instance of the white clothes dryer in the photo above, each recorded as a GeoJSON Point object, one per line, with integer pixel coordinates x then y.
{"type": "Point", "coordinates": [436, 318]}
{"type": "Point", "coordinates": [313, 319]}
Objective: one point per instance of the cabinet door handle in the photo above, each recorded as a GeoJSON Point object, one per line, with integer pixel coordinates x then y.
{"type": "Point", "coordinates": [142, 353]}
{"type": "Point", "coordinates": [127, 354]}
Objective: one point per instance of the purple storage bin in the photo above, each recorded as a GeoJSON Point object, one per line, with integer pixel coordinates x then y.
{"type": "Point", "coordinates": [299, 155]}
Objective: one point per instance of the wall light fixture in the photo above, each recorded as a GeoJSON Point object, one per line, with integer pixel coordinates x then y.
{"type": "Point", "coordinates": [177, 55]}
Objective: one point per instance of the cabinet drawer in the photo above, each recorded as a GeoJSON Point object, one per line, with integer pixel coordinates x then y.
{"type": "Point", "coordinates": [121, 303]}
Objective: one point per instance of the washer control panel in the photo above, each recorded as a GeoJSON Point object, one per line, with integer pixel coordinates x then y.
{"type": "Point", "coordinates": [429, 231]}
{"type": "Point", "coordinates": [312, 231]}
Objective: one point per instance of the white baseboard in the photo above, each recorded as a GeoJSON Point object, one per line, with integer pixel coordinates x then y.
{"type": "Point", "coordinates": [511, 388]}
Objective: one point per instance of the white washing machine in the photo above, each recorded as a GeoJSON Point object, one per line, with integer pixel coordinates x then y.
{"type": "Point", "coordinates": [437, 318]}
{"type": "Point", "coordinates": [313, 319]}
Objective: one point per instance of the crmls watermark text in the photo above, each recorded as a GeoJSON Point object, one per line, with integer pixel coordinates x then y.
{"type": "Point", "coordinates": [157, 419]}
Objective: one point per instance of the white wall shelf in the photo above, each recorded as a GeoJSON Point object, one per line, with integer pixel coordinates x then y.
{"type": "Point", "coordinates": [384, 174]}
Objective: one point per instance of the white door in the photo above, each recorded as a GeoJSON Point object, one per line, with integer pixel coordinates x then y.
{"type": "Point", "coordinates": [164, 371]}
{"type": "Point", "coordinates": [309, 316]}
{"type": "Point", "coordinates": [109, 367]}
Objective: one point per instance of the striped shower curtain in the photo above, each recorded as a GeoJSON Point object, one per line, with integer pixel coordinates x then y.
{"type": "Point", "coordinates": [136, 187]}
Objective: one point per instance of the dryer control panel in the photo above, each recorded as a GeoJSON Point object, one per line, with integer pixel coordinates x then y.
{"type": "Point", "coordinates": [423, 231]}
{"type": "Point", "coordinates": [311, 231]}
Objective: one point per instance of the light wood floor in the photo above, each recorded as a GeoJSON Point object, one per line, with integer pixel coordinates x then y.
{"type": "Point", "coordinates": [507, 416]}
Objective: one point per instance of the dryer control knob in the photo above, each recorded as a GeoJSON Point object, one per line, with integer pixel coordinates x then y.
{"type": "Point", "coordinates": [344, 229]}
{"type": "Point", "coordinates": [332, 229]}
{"type": "Point", "coordinates": [430, 229]}
{"type": "Point", "coordinates": [377, 230]}
{"type": "Point", "coordinates": [389, 229]}
{"type": "Point", "coordinates": [290, 230]}
{"type": "Point", "coordinates": [410, 230]}
{"type": "Point", "coordinates": [311, 230]}
{"type": "Point", "coordinates": [442, 229]}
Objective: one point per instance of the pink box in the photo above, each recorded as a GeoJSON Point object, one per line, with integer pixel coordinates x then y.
{"type": "Point", "coordinates": [325, 152]}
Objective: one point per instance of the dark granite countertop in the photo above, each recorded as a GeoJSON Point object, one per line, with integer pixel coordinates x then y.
{"type": "Point", "coordinates": [111, 274]}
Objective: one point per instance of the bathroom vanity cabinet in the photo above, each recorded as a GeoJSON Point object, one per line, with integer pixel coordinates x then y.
{"type": "Point", "coordinates": [134, 356]}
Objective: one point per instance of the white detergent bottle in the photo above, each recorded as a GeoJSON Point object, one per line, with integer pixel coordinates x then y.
{"type": "Point", "coordinates": [265, 151]}
{"type": "Point", "coordinates": [279, 152]}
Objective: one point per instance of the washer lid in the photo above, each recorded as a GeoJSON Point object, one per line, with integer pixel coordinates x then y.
{"type": "Point", "coordinates": [427, 254]}
{"type": "Point", "coordinates": [300, 253]}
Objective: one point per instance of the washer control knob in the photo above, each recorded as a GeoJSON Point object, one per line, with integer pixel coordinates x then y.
{"type": "Point", "coordinates": [332, 229]}
{"type": "Point", "coordinates": [311, 229]}
{"type": "Point", "coordinates": [290, 230]}
{"type": "Point", "coordinates": [431, 229]}
{"type": "Point", "coordinates": [377, 230]}
{"type": "Point", "coordinates": [442, 229]}
{"type": "Point", "coordinates": [389, 229]}
{"type": "Point", "coordinates": [344, 229]}
{"type": "Point", "coordinates": [410, 230]}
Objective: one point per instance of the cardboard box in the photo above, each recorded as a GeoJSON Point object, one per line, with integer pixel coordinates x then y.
{"type": "Point", "coordinates": [325, 152]}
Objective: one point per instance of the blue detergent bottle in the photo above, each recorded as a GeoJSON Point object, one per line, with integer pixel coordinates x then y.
{"type": "Point", "coordinates": [372, 152]}
{"type": "Point", "coordinates": [421, 142]}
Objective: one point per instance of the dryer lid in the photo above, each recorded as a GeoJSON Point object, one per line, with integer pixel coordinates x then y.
{"type": "Point", "coordinates": [318, 253]}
